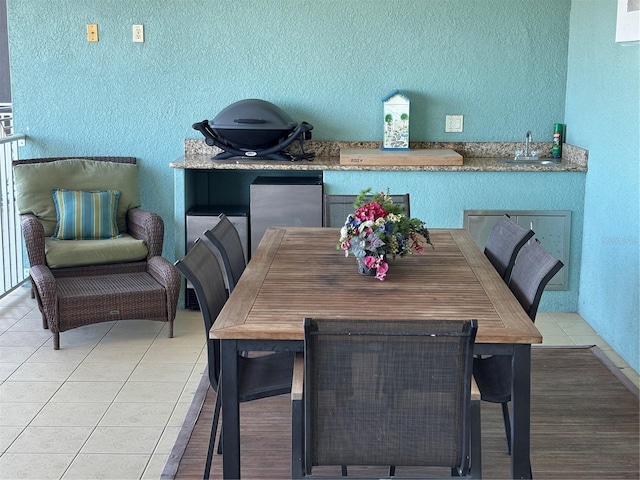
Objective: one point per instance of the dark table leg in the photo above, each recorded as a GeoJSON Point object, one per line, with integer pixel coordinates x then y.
{"type": "Point", "coordinates": [521, 412]}
{"type": "Point", "coordinates": [230, 410]}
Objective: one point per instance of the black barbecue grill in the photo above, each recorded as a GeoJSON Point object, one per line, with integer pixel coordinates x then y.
{"type": "Point", "coordinates": [254, 128]}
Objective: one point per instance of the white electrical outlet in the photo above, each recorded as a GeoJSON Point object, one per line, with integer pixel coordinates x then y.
{"type": "Point", "coordinates": [92, 32]}
{"type": "Point", "coordinates": [138, 33]}
{"type": "Point", "coordinates": [453, 123]}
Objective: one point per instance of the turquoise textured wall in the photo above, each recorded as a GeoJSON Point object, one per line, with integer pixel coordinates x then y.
{"type": "Point", "coordinates": [602, 115]}
{"type": "Point", "coordinates": [500, 63]}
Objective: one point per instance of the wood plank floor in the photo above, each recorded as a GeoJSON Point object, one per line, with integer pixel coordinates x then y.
{"type": "Point", "coordinates": [585, 424]}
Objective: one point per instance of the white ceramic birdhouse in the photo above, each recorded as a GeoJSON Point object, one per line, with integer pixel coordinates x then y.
{"type": "Point", "coordinates": [396, 121]}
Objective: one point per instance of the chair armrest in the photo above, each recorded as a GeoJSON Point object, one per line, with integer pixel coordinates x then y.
{"type": "Point", "coordinates": [147, 226]}
{"type": "Point", "coordinates": [33, 233]}
{"type": "Point", "coordinates": [476, 432]}
{"type": "Point", "coordinates": [297, 382]}
{"type": "Point", "coordinates": [475, 391]}
{"type": "Point", "coordinates": [167, 275]}
{"type": "Point", "coordinates": [297, 418]}
{"type": "Point", "coordinates": [47, 293]}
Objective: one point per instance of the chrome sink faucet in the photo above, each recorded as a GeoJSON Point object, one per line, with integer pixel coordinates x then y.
{"type": "Point", "coordinates": [527, 143]}
{"type": "Point", "coordinates": [527, 154]}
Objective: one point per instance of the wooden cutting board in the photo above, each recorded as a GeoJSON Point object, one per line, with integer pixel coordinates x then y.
{"type": "Point", "coordinates": [376, 156]}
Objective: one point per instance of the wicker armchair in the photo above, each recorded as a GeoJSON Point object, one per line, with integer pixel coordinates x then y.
{"type": "Point", "coordinates": [81, 282]}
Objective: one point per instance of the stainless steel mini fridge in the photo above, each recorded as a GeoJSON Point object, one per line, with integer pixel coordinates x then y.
{"type": "Point", "coordinates": [284, 202]}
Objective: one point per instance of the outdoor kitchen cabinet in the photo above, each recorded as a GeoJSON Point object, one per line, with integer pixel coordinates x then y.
{"type": "Point", "coordinates": [439, 196]}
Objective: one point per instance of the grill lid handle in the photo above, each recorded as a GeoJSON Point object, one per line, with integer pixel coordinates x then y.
{"type": "Point", "coordinates": [251, 121]}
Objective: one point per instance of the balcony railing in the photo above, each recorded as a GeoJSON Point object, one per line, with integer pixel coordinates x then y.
{"type": "Point", "coordinates": [6, 120]}
{"type": "Point", "coordinates": [12, 267]}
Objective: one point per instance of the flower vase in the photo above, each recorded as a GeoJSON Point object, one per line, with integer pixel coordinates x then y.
{"type": "Point", "coordinates": [363, 269]}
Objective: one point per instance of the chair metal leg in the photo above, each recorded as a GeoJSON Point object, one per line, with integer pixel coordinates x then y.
{"type": "Point", "coordinates": [392, 471]}
{"type": "Point", "coordinates": [297, 439]}
{"type": "Point", "coordinates": [507, 424]}
{"type": "Point", "coordinates": [344, 470]}
{"type": "Point", "coordinates": [474, 470]}
{"type": "Point", "coordinates": [219, 451]}
{"type": "Point", "coordinates": [476, 441]}
{"type": "Point", "coordinates": [212, 438]}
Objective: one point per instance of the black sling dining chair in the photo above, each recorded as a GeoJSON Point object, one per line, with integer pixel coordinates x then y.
{"type": "Point", "coordinates": [531, 273]}
{"type": "Point", "coordinates": [335, 208]}
{"type": "Point", "coordinates": [259, 376]}
{"type": "Point", "coordinates": [505, 241]}
{"type": "Point", "coordinates": [225, 238]}
{"type": "Point", "coordinates": [386, 392]}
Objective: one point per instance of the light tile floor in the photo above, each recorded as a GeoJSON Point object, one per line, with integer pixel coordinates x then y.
{"type": "Point", "coordinates": [110, 402]}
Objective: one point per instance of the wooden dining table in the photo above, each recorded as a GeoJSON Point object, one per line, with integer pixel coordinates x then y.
{"type": "Point", "coordinates": [298, 272]}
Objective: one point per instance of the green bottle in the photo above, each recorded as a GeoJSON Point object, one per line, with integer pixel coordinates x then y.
{"type": "Point", "coordinates": [556, 149]}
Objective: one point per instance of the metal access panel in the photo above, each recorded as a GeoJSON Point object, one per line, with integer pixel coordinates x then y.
{"type": "Point", "coordinates": [201, 219]}
{"type": "Point", "coordinates": [551, 227]}
{"type": "Point", "coordinates": [204, 217]}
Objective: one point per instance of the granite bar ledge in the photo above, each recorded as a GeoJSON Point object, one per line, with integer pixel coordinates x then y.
{"type": "Point", "coordinates": [478, 157]}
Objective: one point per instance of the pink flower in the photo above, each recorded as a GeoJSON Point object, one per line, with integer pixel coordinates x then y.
{"type": "Point", "coordinates": [370, 211]}
{"type": "Point", "coordinates": [379, 264]}
{"type": "Point", "coordinates": [383, 267]}
{"type": "Point", "coordinates": [370, 262]}
{"type": "Point", "coordinates": [415, 244]}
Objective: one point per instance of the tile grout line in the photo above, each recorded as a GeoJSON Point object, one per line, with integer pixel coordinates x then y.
{"type": "Point", "coordinates": [94, 428]}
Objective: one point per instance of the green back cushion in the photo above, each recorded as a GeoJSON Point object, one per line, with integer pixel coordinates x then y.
{"type": "Point", "coordinates": [85, 215]}
{"type": "Point", "coordinates": [35, 181]}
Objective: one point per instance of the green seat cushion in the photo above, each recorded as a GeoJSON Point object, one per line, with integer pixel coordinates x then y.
{"type": "Point", "coordinates": [35, 181]}
{"type": "Point", "coordinates": [85, 215]}
{"type": "Point", "coordinates": [74, 253]}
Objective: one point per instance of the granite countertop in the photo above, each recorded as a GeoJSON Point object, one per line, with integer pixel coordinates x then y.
{"type": "Point", "coordinates": [478, 157]}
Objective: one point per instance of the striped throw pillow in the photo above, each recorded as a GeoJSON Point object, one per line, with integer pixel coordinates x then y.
{"type": "Point", "coordinates": [83, 215]}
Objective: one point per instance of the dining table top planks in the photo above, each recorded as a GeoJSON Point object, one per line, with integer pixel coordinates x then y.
{"type": "Point", "coordinates": [298, 272]}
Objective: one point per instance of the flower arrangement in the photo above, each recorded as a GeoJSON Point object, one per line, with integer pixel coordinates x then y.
{"type": "Point", "coordinates": [379, 228]}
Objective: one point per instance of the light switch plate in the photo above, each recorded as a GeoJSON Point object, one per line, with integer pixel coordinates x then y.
{"type": "Point", "coordinates": [453, 123]}
{"type": "Point", "coordinates": [138, 33]}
